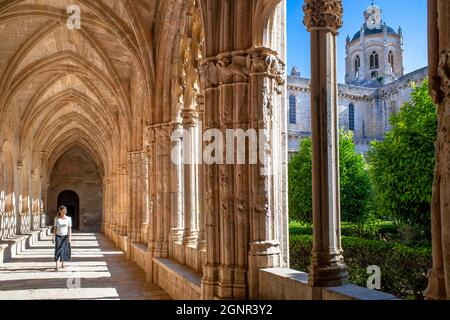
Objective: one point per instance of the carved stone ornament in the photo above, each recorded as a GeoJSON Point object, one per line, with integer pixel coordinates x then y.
{"type": "Point", "coordinates": [223, 68]}
{"type": "Point", "coordinates": [323, 14]}
{"type": "Point", "coordinates": [149, 137]}
{"type": "Point", "coordinates": [190, 117]}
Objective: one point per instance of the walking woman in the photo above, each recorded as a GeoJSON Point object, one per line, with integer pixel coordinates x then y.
{"type": "Point", "coordinates": [62, 235]}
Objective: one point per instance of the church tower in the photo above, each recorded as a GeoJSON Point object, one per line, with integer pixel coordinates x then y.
{"type": "Point", "coordinates": [374, 56]}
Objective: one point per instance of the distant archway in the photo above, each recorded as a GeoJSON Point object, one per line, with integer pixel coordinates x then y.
{"type": "Point", "coordinates": [71, 200]}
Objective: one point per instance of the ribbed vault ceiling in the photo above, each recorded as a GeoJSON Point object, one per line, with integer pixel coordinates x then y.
{"type": "Point", "coordinates": [75, 88]}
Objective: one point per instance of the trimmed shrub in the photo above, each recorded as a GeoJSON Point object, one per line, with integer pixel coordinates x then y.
{"type": "Point", "coordinates": [403, 269]}
{"type": "Point", "coordinates": [372, 230]}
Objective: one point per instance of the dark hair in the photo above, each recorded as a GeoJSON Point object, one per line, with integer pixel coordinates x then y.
{"type": "Point", "coordinates": [61, 208]}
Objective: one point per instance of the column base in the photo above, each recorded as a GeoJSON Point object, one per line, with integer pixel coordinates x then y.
{"type": "Point", "coordinates": [262, 255]}
{"type": "Point", "coordinates": [190, 238]}
{"type": "Point", "coordinates": [436, 285]}
{"type": "Point", "coordinates": [176, 235]}
{"type": "Point", "coordinates": [331, 272]}
{"type": "Point", "coordinates": [208, 282]}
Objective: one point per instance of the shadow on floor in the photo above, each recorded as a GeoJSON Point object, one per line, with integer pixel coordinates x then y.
{"type": "Point", "coordinates": [97, 270]}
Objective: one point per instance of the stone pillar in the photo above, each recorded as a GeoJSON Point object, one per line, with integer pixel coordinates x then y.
{"type": "Point", "coordinates": [137, 168]}
{"type": "Point", "coordinates": [2, 215]}
{"type": "Point", "coordinates": [107, 206]}
{"type": "Point", "coordinates": [239, 200]}
{"type": "Point", "coordinates": [114, 203]}
{"type": "Point", "coordinates": [35, 219]}
{"type": "Point", "coordinates": [201, 238]}
{"type": "Point", "coordinates": [145, 197]}
{"type": "Point", "coordinates": [242, 209]}
{"type": "Point", "coordinates": [439, 74]}
{"type": "Point", "coordinates": [159, 220]}
{"type": "Point", "coordinates": [190, 165]}
{"type": "Point", "coordinates": [323, 18]}
{"type": "Point", "coordinates": [43, 202]}
{"type": "Point", "coordinates": [123, 194]}
{"type": "Point", "coordinates": [267, 73]}
{"type": "Point", "coordinates": [21, 220]}
{"type": "Point", "coordinates": [176, 189]}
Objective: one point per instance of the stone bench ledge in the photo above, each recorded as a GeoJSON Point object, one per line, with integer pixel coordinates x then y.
{"type": "Point", "coordinates": [289, 284]}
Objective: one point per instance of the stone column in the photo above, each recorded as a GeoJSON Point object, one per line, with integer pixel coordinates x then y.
{"type": "Point", "coordinates": [201, 238]}
{"type": "Point", "coordinates": [43, 202]}
{"type": "Point", "coordinates": [114, 203]}
{"type": "Point", "coordinates": [176, 190]}
{"type": "Point", "coordinates": [35, 221]}
{"type": "Point", "coordinates": [137, 168]}
{"type": "Point", "coordinates": [239, 200]}
{"type": "Point", "coordinates": [21, 219]}
{"type": "Point", "coordinates": [439, 74]}
{"type": "Point", "coordinates": [267, 73]}
{"type": "Point", "coordinates": [107, 206]}
{"type": "Point", "coordinates": [323, 18]}
{"type": "Point", "coordinates": [242, 204]}
{"type": "Point", "coordinates": [145, 197]}
{"type": "Point", "coordinates": [190, 165]}
{"type": "Point", "coordinates": [123, 194]}
{"type": "Point", "coordinates": [159, 220]}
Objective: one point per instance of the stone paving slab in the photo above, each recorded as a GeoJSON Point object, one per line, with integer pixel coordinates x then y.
{"type": "Point", "coordinates": [98, 270]}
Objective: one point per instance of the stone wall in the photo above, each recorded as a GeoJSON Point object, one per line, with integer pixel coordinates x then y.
{"type": "Point", "coordinates": [373, 108]}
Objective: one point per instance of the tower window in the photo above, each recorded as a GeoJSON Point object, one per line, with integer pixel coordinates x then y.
{"type": "Point", "coordinates": [292, 110]}
{"type": "Point", "coordinates": [391, 60]}
{"type": "Point", "coordinates": [357, 66]}
{"type": "Point", "coordinates": [351, 117]}
{"type": "Point", "coordinates": [374, 60]}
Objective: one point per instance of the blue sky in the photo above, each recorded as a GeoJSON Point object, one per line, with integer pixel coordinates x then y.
{"type": "Point", "coordinates": [411, 15]}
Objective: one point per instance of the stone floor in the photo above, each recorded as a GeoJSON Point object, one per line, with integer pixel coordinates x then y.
{"type": "Point", "coordinates": [98, 270]}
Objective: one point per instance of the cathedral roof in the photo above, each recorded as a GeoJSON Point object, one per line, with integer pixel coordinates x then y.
{"type": "Point", "coordinates": [374, 31]}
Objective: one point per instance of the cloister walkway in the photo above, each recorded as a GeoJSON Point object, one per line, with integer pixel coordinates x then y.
{"type": "Point", "coordinates": [97, 271]}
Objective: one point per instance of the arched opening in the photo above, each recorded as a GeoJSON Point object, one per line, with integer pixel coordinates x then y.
{"type": "Point", "coordinates": [391, 60]}
{"type": "Point", "coordinates": [357, 66]}
{"type": "Point", "coordinates": [374, 60]}
{"type": "Point", "coordinates": [71, 200]}
{"type": "Point", "coordinates": [23, 224]}
{"type": "Point", "coordinates": [7, 218]}
{"type": "Point", "coordinates": [76, 182]}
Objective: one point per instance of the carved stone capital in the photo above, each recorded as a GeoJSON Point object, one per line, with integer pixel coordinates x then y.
{"type": "Point", "coordinates": [238, 66]}
{"type": "Point", "coordinates": [122, 169]}
{"type": "Point", "coordinates": [149, 137]}
{"type": "Point", "coordinates": [190, 117]}
{"type": "Point", "coordinates": [135, 158]}
{"type": "Point", "coordinates": [266, 61]}
{"type": "Point", "coordinates": [323, 14]}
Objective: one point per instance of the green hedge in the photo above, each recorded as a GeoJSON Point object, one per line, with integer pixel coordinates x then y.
{"type": "Point", "coordinates": [403, 269]}
{"type": "Point", "coordinates": [373, 231]}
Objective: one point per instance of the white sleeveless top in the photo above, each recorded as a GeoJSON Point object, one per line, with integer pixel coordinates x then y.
{"type": "Point", "coordinates": [62, 226]}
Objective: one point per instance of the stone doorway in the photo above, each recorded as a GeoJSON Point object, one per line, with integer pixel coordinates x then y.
{"type": "Point", "coordinates": [71, 200]}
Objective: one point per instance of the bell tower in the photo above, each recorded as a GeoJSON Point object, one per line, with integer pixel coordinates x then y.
{"type": "Point", "coordinates": [373, 17]}
{"type": "Point", "coordinates": [374, 56]}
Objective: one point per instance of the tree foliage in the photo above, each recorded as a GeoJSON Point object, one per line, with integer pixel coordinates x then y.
{"type": "Point", "coordinates": [402, 165]}
{"type": "Point", "coordinates": [355, 183]}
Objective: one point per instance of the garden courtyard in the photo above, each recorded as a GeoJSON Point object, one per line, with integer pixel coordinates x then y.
{"type": "Point", "coordinates": [385, 202]}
